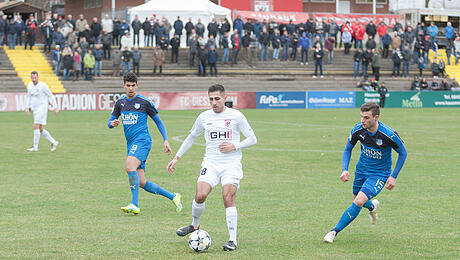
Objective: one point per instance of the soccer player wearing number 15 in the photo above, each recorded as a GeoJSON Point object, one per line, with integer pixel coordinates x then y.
{"type": "Point", "coordinates": [222, 160]}
{"type": "Point", "coordinates": [134, 110]}
{"type": "Point", "coordinates": [374, 166]}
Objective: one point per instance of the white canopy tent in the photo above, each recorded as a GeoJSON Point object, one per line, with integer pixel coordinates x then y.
{"type": "Point", "coordinates": [170, 9]}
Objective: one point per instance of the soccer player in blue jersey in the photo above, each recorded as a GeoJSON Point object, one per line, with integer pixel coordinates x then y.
{"type": "Point", "coordinates": [134, 110]}
{"type": "Point", "coordinates": [373, 170]}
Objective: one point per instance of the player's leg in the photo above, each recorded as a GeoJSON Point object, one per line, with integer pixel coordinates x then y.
{"type": "Point", "coordinates": [206, 182]}
{"type": "Point", "coordinates": [39, 119]}
{"type": "Point", "coordinates": [48, 136]}
{"type": "Point", "coordinates": [202, 191]}
{"type": "Point", "coordinates": [231, 214]}
{"type": "Point", "coordinates": [351, 212]}
{"type": "Point", "coordinates": [198, 205]}
{"type": "Point", "coordinates": [230, 183]}
{"type": "Point", "coordinates": [347, 217]}
{"type": "Point", "coordinates": [372, 187]}
{"type": "Point", "coordinates": [36, 136]}
{"type": "Point", "coordinates": [156, 189]}
{"type": "Point", "coordinates": [369, 204]}
{"type": "Point", "coordinates": [132, 164]}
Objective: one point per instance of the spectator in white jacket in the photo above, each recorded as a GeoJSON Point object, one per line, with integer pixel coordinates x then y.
{"type": "Point", "coordinates": [126, 41]}
{"type": "Point", "coordinates": [107, 24]}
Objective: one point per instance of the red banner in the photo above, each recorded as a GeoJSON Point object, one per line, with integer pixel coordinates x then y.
{"type": "Point", "coordinates": [91, 101]}
{"type": "Point", "coordinates": [389, 19]}
{"type": "Point", "coordinates": [199, 100]}
{"type": "Point", "coordinates": [280, 17]}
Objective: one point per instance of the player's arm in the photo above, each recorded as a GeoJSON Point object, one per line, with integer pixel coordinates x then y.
{"type": "Point", "coordinates": [113, 120]}
{"type": "Point", "coordinates": [153, 113]}
{"type": "Point", "coordinates": [161, 127]}
{"type": "Point", "coordinates": [402, 155]}
{"type": "Point", "coordinates": [188, 142]}
{"type": "Point", "coordinates": [247, 131]}
{"type": "Point", "coordinates": [346, 156]}
{"type": "Point", "coordinates": [52, 99]}
{"type": "Point", "coordinates": [28, 102]}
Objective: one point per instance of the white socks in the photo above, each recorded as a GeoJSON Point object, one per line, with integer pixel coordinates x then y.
{"type": "Point", "coordinates": [47, 135]}
{"type": "Point", "coordinates": [232, 221]}
{"type": "Point", "coordinates": [36, 138]}
{"type": "Point", "coordinates": [231, 215]}
{"type": "Point", "coordinates": [197, 210]}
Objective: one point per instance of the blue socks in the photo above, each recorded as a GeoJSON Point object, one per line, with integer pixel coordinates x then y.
{"type": "Point", "coordinates": [369, 205]}
{"type": "Point", "coordinates": [348, 216]}
{"type": "Point", "coordinates": [134, 186]}
{"type": "Point", "coordinates": [156, 189]}
{"type": "Point", "coordinates": [149, 186]}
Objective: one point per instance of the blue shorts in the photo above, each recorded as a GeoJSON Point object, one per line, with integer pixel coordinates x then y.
{"type": "Point", "coordinates": [140, 150]}
{"type": "Point", "coordinates": [371, 185]}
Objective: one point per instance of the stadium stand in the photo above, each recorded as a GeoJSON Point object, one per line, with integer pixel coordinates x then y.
{"type": "Point", "coordinates": [25, 61]}
{"type": "Point", "coordinates": [271, 75]}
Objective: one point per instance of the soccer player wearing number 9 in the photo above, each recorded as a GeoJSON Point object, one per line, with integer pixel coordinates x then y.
{"type": "Point", "coordinates": [373, 170]}
{"type": "Point", "coordinates": [222, 160]}
{"type": "Point", "coordinates": [134, 110]}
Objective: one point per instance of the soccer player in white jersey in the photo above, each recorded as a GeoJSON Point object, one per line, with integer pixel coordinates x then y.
{"type": "Point", "coordinates": [222, 161]}
{"type": "Point", "coordinates": [38, 98]}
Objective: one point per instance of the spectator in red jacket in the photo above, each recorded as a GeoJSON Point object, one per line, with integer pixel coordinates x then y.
{"type": "Point", "coordinates": [359, 36]}
{"type": "Point", "coordinates": [381, 30]}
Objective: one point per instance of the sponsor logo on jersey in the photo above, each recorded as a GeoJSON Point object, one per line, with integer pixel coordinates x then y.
{"type": "Point", "coordinates": [374, 154]}
{"type": "Point", "coordinates": [129, 119]}
{"type": "Point", "coordinates": [379, 141]}
{"type": "Point", "coordinates": [220, 135]}
{"type": "Point", "coordinates": [137, 106]}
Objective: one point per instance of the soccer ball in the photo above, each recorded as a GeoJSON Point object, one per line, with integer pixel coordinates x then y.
{"type": "Point", "coordinates": [199, 240]}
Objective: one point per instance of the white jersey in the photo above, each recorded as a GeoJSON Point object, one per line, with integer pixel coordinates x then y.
{"type": "Point", "coordinates": [38, 96]}
{"type": "Point", "coordinates": [222, 127]}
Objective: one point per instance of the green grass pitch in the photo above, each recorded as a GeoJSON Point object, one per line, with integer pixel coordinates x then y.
{"type": "Point", "coordinates": [66, 204]}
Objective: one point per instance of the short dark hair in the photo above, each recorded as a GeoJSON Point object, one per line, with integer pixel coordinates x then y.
{"type": "Point", "coordinates": [130, 77]}
{"type": "Point", "coordinates": [371, 106]}
{"type": "Point", "coordinates": [216, 88]}
{"type": "Point", "coordinates": [34, 72]}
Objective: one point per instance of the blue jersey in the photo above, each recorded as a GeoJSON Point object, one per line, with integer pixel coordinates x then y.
{"type": "Point", "coordinates": [134, 112]}
{"type": "Point", "coordinates": [376, 149]}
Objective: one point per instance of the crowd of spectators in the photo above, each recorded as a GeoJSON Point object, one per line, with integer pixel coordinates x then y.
{"type": "Point", "coordinates": [422, 84]}
{"type": "Point", "coordinates": [96, 40]}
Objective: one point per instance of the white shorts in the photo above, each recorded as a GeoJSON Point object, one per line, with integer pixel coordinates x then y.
{"type": "Point", "coordinates": [228, 174]}
{"type": "Point", "coordinates": [40, 115]}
